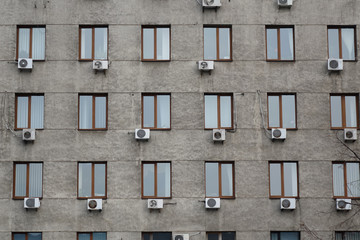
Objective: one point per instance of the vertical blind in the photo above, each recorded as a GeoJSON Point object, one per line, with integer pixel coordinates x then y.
{"type": "Point", "coordinates": [22, 112]}
{"type": "Point", "coordinates": [20, 180]}
{"type": "Point", "coordinates": [212, 179]}
{"type": "Point", "coordinates": [353, 179]}
{"type": "Point", "coordinates": [24, 43]}
{"type": "Point", "coordinates": [226, 179]}
{"type": "Point", "coordinates": [38, 43]}
{"type": "Point", "coordinates": [347, 236]}
{"type": "Point", "coordinates": [338, 179]}
{"type": "Point", "coordinates": [35, 180]}
{"type": "Point", "coordinates": [100, 112]}
{"type": "Point", "coordinates": [85, 112]}
{"type": "Point", "coordinates": [84, 187]}
{"type": "Point", "coordinates": [163, 43]}
{"type": "Point", "coordinates": [37, 111]}
{"type": "Point", "coordinates": [163, 179]}
{"type": "Point", "coordinates": [101, 43]}
{"type": "Point", "coordinates": [100, 179]}
{"type": "Point", "coordinates": [163, 111]}
{"type": "Point", "coordinates": [211, 111]}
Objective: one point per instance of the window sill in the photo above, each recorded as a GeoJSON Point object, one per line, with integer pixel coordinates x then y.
{"type": "Point", "coordinates": [20, 129]}
{"type": "Point", "coordinates": [152, 60]}
{"type": "Point", "coordinates": [270, 60]}
{"type": "Point", "coordinates": [218, 128]}
{"type": "Point", "coordinates": [287, 129]}
{"type": "Point", "coordinates": [144, 198]}
{"type": "Point", "coordinates": [86, 198]}
{"type": "Point", "coordinates": [99, 129]}
{"type": "Point", "coordinates": [279, 197]}
{"type": "Point", "coordinates": [22, 198]}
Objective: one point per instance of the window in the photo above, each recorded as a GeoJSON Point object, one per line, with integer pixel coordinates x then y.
{"type": "Point", "coordinates": [285, 236]}
{"type": "Point", "coordinates": [218, 111]}
{"type": "Point", "coordinates": [156, 180]}
{"type": "Point", "coordinates": [92, 180]}
{"type": "Point", "coordinates": [219, 178]}
{"type": "Point", "coordinates": [283, 179]}
{"type": "Point", "coordinates": [156, 111]}
{"type": "Point", "coordinates": [157, 236]}
{"type": "Point", "coordinates": [217, 43]}
{"type": "Point", "coordinates": [28, 180]}
{"type": "Point", "coordinates": [282, 111]}
{"type": "Point", "coordinates": [92, 236]}
{"type": "Point", "coordinates": [344, 111]}
{"type": "Point", "coordinates": [93, 43]}
{"type": "Point", "coordinates": [347, 236]}
{"type": "Point", "coordinates": [31, 42]}
{"type": "Point", "coordinates": [342, 43]}
{"type": "Point", "coordinates": [155, 44]}
{"type": "Point", "coordinates": [29, 112]}
{"type": "Point", "coordinates": [27, 236]}
{"type": "Point", "coordinates": [280, 43]}
{"type": "Point", "coordinates": [93, 111]}
{"type": "Point", "coordinates": [221, 236]}
{"type": "Point", "coordinates": [346, 179]}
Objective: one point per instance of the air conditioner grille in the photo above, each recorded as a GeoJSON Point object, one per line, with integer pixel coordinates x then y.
{"type": "Point", "coordinates": [92, 204]}
{"type": "Point", "coordinates": [277, 133]}
{"type": "Point", "coordinates": [23, 63]}
{"type": "Point", "coordinates": [204, 65]}
{"type": "Point", "coordinates": [334, 64]}
{"type": "Point", "coordinates": [211, 202]}
{"type": "Point", "coordinates": [217, 135]}
{"type": "Point", "coordinates": [141, 133]}
{"type": "Point", "coordinates": [27, 134]}
{"type": "Point", "coordinates": [342, 204]}
{"type": "Point", "coordinates": [286, 203]}
{"type": "Point", "coordinates": [209, 2]}
{"type": "Point", "coordinates": [283, 1]}
{"type": "Point", "coordinates": [179, 237]}
{"type": "Point", "coordinates": [30, 202]}
{"type": "Point", "coordinates": [153, 203]}
{"type": "Point", "coordinates": [349, 134]}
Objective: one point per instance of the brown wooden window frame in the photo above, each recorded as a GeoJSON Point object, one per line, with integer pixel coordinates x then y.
{"type": "Point", "coordinates": [91, 234]}
{"type": "Point", "coordinates": [219, 110]}
{"type": "Point", "coordinates": [155, 43]}
{"type": "Point", "coordinates": [282, 180]}
{"type": "Point", "coordinates": [220, 183]}
{"type": "Point", "coordinates": [155, 180]}
{"type": "Point", "coordinates": [339, 28]}
{"type": "Point", "coordinates": [94, 95]}
{"type": "Point", "coordinates": [27, 180]}
{"type": "Point", "coordinates": [217, 27]}
{"type": "Point", "coordinates": [151, 233]}
{"type": "Point", "coordinates": [30, 39]}
{"type": "Point", "coordinates": [345, 179]}
{"type": "Point", "coordinates": [343, 110]}
{"type": "Point", "coordinates": [92, 181]}
{"type": "Point", "coordinates": [220, 234]}
{"type": "Point", "coordinates": [278, 27]}
{"type": "Point", "coordinates": [280, 95]}
{"type": "Point", "coordinates": [155, 110]}
{"type": "Point", "coordinates": [29, 108]}
{"type": "Point", "coordinates": [26, 234]}
{"type": "Point", "coordinates": [93, 41]}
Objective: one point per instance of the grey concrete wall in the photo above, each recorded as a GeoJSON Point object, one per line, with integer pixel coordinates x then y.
{"type": "Point", "coordinates": [60, 145]}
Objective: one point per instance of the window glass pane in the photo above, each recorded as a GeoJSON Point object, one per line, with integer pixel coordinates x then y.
{"type": "Point", "coordinates": [351, 236]}
{"type": "Point", "coordinates": [149, 179]}
{"type": "Point", "coordinates": [38, 43]}
{"type": "Point", "coordinates": [24, 42]}
{"type": "Point", "coordinates": [353, 179]}
{"type": "Point", "coordinates": [85, 177]}
{"type": "Point", "coordinates": [163, 179]}
{"type": "Point", "coordinates": [275, 179]}
{"type": "Point", "coordinates": [347, 43]}
{"type": "Point", "coordinates": [99, 236]}
{"type": "Point", "coordinates": [224, 43]}
{"type": "Point", "coordinates": [20, 180]}
{"type": "Point", "coordinates": [34, 236]}
{"type": "Point", "coordinates": [210, 43]}
{"type": "Point", "coordinates": [350, 110]}
{"type": "Point", "coordinates": [35, 180]}
{"type": "Point", "coordinates": [146, 236]}
{"type": "Point", "coordinates": [274, 112]}
{"type": "Point", "coordinates": [290, 179]}
{"type": "Point", "coordinates": [272, 44]}
{"type": "Point", "coordinates": [333, 41]}
{"type": "Point", "coordinates": [37, 111]}
{"type": "Point", "coordinates": [84, 236]}
{"type": "Point", "coordinates": [338, 179]}
{"type": "Point", "coordinates": [22, 112]}
{"type": "Point", "coordinates": [225, 111]}
{"type": "Point", "coordinates": [213, 236]}
{"type": "Point", "coordinates": [212, 179]}
{"type": "Point", "coordinates": [226, 180]}
{"type": "Point", "coordinates": [149, 111]}
{"type": "Point", "coordinates": [289, 236]}
{"type": "Point", "coordinates": [162, 236]}
{"type": "Point", "coordinates": [287, 43]}
{"type": "Point", "coordinates": [288, 111]}
{"type": "Point", "coordinates": [100, 112]}
{"type": "Point", "coordinates": [163, 43]}
{"type": "Point", "coordinates": [101, 42]}
{"type": "Point", "coordinates": [274, 236]}
{"type": "Point", "coordinates": [100, 179]}
{"type": "Point", "coordinates": [86, 112]}
{"type": "Point", "coordinates": [148, 43]}
{"type": "Point", "coordinates": [211, 111]}
{"type": "Point", "coordinates": [228, 236]}
{"type": "Point", "coordinates": [338, 236]}
{"type": "Point", "coordinates": [336, 120]}
{"type": "Point", "coordinates": [86, 43]}
{"type": "Point", "coordinates": [163, 111]}
{"type": "Point", "coordinates": [19, 236]}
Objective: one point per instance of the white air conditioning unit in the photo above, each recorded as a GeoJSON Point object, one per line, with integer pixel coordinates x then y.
{"type": "Point", "coordinates": [343, 204]}
{"type": "Point", "coordinates": [211, 3]}
{"type": "Point", "coordinates": [28, 134]}
{"type": "Point", "coordinates": [219, 135]}
{"type": "Point", "coordinates": [205, 65]}
{"type": "Point", "coordinates": [350, 134]}
{"type": "Point", "coordinates": [278, 133]}
{"type": "Point", "coordinates": [287, 203]}
{"type": "Point", "coordinates": [142, 134]}
{"type": "Point", "coordinates": [31, 202]}
{"type": "Point", "coordinates": [285, 3]}
{"type": "Point", "coordinates": [155, 203]}
{"type": "Point", "coordinates": [181, 237]}
{"type": "Point", "coordinates": [212, 202]}
{"type": "Point", "coordinates": [94, 204]}
{"type": "Point", "coordinates": [100, 65]}
{"type": "Point", "coordinates": [335, 64]}
{"type": "Point", "coordinates": [25, 63]}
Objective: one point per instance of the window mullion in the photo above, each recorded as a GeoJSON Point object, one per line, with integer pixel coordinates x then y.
{"type": "Point", "coordinates": [92, 179]}
{"type": "Point", "coordinates": [155, 39]}
{"type": "Point", "coordinates": [155, 111]}
{"type": "Point", "coordinates": [282, 180]}
{"type": "Point", "coordinates": [340, 44]}
{"type": "Point", "coordinates": [343, 111]}
{"type": "Point", "coordinates": [29, 111]}
{"type": "Point", "coordinates": [278, 42]}
{"type": "Point", "coordinates": [155, 179]}
{"type": "Point", "coordinates": [27, 179]}
{"type": "Point", "coordinates": [93, 111]}
{"type": "Point", "coordinates": [280, 111]}
{"type": "Point", "coordinates": [217, 44]}
{"type": "Point", "coordinates": [220, 187]}
{"type": "Point", "coordinates": [345, 180]}
{"type": "Point", "coordinates": [30, 43]}
{"type": "Point", "coordinates": [219, 111]}
{"type": "Point", "coordinates": [93, 43]}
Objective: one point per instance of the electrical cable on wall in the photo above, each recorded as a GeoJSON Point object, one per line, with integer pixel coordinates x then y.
{"type": "Point", "coordinates": [5, 121]}
{"type": "Point", "coordinates": [267, 133]}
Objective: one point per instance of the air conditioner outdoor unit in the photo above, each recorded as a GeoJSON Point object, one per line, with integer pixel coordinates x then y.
{"type": "Point", "coordinates": [343, 204]}
{"type": "Point", "coordinates": [285, 3]}
{"type": "Point", "coordinates": [155, 203]}
{"type": "Point", "coordinates": [335, 64]}
{"type": "Point", "coordinates": [28, 134]}
{"type": "Point", "coordinates": [287, 203]}
{"type": "Point", "coordinates": [94, 204]}
{"type": "Point", "coordinates": [219, 135]}
{"type": "Point", "coordinates": [100, 65]}
{"type": "Point", "coordinates": [278, 133]}
{"type": "Point", "coordinates": [350, 134]}
{"type": "Point", "coordinates": [142, 134]}
{"type": "Point", "coordinates": [31, 202]}
{"type": "Point", "coordinates": [25, 63]}
{"type": "Point", "coordinates": [205, 65]}
{"type": "Point", "coordinates": [212, 202]}
{"type": "Point", "coordinates": [211, 3]}
{"type": "Point", "coordinates": [181, 237]}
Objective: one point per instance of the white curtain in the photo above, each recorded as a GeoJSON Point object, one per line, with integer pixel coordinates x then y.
{"type": "Point", "coordinates": [163, 180]}
{"type": "Point", "coordinates": [163, 43]}
{"type": "Point", "coordinates": [86, 43]}
{"type": "Point", "coordinates": [22, 112]}
{"type": "Point", "coordinates": [286, 44]}
{"type": "Point", "coordinates": [148, 43]}
{"type": "Point", "coordinates": [100, 112]}
{"type": "Point", "coordinates": [212, 179]}
{"type": "Point", "coordinates": [211, 112]}
{"type": "Point", "coordinates": [100, 179]}
{"type": "Point", "coordinates": [224, 43]}
{"type": "Point", "coordinates": [35, 180]}
{"type": "Point", "coordinates": [85, 112]}
{"type": "Point", "coordinates": [350, 111]}
{"type": "Point", "coordinates": [225, 111]}
{"type": "Point", "coordinates": [353, 179]}
{"type": "Point", "coordinates": [20, 180]}
{"type": "Point", "coordinates": [148, 111]}
{"type": "Point", "coordinates": [101, 41]}
{"type": "Point", "coordinates": [38, 43]}
{"type": "Point", "coordinates": [338, 180]}
{"type": "Point", "coordinates": [163, 111]}
{"type": "Point", "coordinates": [226, 179]}
{"type": "Point", "coordinates": [85, 177]}
{"type": "Point", "coordinates": [290, 179]}
{"type": "Point", "coordinates": [37, 112]}
{"type": "Point", "coordinates": [348, 46]}
{"type": "Point", "coordinates": [24, 42]}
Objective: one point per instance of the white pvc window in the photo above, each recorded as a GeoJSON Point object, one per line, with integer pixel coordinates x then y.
{"type": "Point", "coordinates": [218, 111]}
{"type": "Point", "coordinates": [28, 180]}
{"type": "Point", "coordinates": [33, 118]}
{"type": "Point", "coordinates": [156, 43]}
{"type": "Point", "coordinates": [92, 112]}
{"type": "Point", "coordinates": [346, 179]}
{"type": "Point", "coordinates": [31, 43]}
